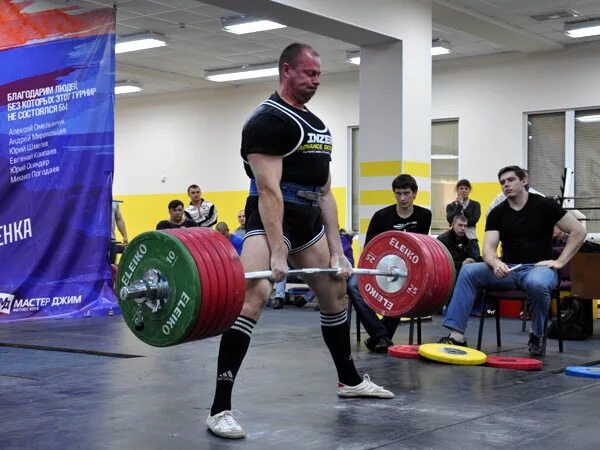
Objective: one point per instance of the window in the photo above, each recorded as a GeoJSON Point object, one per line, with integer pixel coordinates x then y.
{"type": "Point", "coordinates": [546, 152]}
{"type": "Point", "coordinates": [444, 171]}
{"type": "Point", "coordinates": [567, 139]}
{"type": "Point", "coordinates": [587, 166]}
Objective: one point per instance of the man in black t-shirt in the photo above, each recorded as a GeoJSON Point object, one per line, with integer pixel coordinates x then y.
{"type": "Point", "coordinates": [404, 215]}
{"type": "Point", "coordinates": [523, 223]}
{"type": "Point", "coordinates": [290, 213]}
{"type": "Point", "coordinates": [177, 219]}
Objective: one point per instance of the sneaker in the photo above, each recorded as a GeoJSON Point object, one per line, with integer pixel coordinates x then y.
{"type": "Point", "coordinates": [278, 303]}
{"type": "Point", "coordinates": [451, 341]}
{"type": "Point", "coordinates": [224, 425]}
{"type": "Point", "coordinates": [536, 347]}
{"type": "Point", "coordinates": [365, 389]}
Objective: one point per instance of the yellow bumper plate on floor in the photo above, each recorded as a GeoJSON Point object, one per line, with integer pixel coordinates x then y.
{"type": "Point", "coordinates": [452, 354]}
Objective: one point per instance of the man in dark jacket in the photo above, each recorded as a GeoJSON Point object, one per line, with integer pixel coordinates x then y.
{"type": "Point", "coordinates": [461, 248]}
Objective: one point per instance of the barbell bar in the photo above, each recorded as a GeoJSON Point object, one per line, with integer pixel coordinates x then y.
{"type": "Point", "coordinates": [154, 286]}
{"type": "Point", "coordinates": [186, 284]}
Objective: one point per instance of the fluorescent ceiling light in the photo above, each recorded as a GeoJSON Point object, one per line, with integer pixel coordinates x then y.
{"type": "Point", "coordinates": [244, 25]}
{"type": "Point", "coordinates": [127, 87]}
{"type": "Point", "coordinates": [442, 156]}
{"type": "Point", "coordinates": [242, 73]}
{"type": "Point", "coordinates": [582, 28]}
{"type": "Point", "coordinates": [141, 41]}
{"type": "Point", "coordinates": [589, 119]}
{"type": "Point", "coordinates": [353, 57]}
{"type": "Point", "coordinates": [439, 47]}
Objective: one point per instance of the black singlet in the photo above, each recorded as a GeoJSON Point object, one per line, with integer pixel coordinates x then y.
{"type": "Point", "coordinates": [276, 128]}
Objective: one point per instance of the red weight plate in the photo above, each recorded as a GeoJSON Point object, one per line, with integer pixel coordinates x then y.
{"type": "Point", "coordinates": [210, 285]}
{"type": "Point", "coordinates": [404, 351]}
{"type": "Point", "coordinates": [512, 362]}
{"type": "Point", "coordinates": [205, 283]}
{"type": "Point", "coordinates": [449, 263]}
{"type": "Point", "coordinates": [424, 308]}
{"type": "Point", "coordinates": [443, 275]}
{"type": "Point", "coordinates": [224, 304]}
{"type": "Point", "coordinates": [202, 243]}
{"type": "Point", "coordinates": [239, 281]}
{"type": "Point", "coordinates": [408, 249]}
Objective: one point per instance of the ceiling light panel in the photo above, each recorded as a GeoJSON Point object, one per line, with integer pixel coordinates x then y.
{"type": "Point", "coordinates": [245, 25]}
{"type": "Point", "coordinates": [242, 73]}
{"type": "Point", "coordinates": [142, 41]}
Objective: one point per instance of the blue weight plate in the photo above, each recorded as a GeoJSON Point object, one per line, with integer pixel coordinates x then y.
{"type": "Point", "coordinates": [583, 371]}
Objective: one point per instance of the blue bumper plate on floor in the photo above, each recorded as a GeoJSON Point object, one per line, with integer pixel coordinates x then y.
{"type": "Point", "coordinates": [583, 371]}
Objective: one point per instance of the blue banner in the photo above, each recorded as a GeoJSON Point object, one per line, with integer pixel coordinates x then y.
{"type": "Point", "coordinates": [56, 162]}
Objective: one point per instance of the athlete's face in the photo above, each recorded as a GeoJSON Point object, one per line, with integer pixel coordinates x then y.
{"type": "Point", "coordinates": [303, 76]}
{"type": "Point", "coordinates": [176, 214]}
{"type": "Point", "coordinates": [404, 197]}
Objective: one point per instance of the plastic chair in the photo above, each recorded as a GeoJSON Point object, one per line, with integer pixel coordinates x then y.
{"type": "Point", "coordinates": [564, 284]}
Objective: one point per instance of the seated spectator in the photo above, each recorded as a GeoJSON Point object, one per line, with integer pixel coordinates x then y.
{"type": "Point", "coordinates": [241, 230]}
{"type": "Point", "coordinates": [235, 240]}
{"type": "Point", "coordinates": [523, 223]}
{"type": "Point", "coordinates": [468, 208]}
{"type": "Point", "coordinates": [203, 212]}
{"type": "Point", "coordinates": [176, 217]}
{"type": "Point", "coordinates": [461, 248]}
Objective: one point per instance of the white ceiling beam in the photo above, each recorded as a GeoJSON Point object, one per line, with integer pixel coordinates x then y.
{"type": "Point", "coordinates": [289, 13]}
{"type": "Point", "coordinates": [505, 35]}
{"type": "Point", "coordinates": [128, 70]}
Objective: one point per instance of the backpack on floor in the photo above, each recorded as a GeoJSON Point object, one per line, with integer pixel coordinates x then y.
{"type": "Point", "coordinates": [576, 320]}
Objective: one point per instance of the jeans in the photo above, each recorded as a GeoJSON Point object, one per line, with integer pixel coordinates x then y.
{"type": "Point", "coordinates": [537, 281]}
{"type": "Point", "coordinates": [375, 327]}
{"type": "Point", "coordinates": [280, 289]}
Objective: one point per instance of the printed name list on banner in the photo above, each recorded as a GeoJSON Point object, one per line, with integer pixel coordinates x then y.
{"type": "Point", "coordinates": [56, 160]}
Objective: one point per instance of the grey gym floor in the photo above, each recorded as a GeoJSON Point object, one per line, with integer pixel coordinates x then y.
{"type": "Point", "coordinates": [74, 384]}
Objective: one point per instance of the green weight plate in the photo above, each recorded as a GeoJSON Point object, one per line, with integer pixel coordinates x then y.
{"type": "Point", "coordinates": [176, 318]}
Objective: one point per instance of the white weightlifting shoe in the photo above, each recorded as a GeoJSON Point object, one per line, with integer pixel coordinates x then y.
{"type": "Point", "coordinates": [225, 425]}
{"type": "Point", "coordinates": [365, 389]}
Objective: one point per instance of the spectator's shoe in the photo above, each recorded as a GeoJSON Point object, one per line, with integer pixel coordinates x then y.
{"type": "Point", "coordinates": [278, 303]}
{"type": "Point", "coordinates": [365, 389]}
{"type": "Point", "coordinates": [451, 341]}
{"type": "Point", "coordinates": [225, 425]}
{"type": "Point", "coordinates": [536, 347]}
{"type": "Point", "coordinates": [378, 345]}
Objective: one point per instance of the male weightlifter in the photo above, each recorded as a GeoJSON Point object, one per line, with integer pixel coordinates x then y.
{"type": "Point", "coordinates": [290, 213]}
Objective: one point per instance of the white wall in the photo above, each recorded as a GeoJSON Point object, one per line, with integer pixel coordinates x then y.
{"type": "Point", "coordinates": [195, 136]}
{"type": "Point", "coordinates": [490, 95]}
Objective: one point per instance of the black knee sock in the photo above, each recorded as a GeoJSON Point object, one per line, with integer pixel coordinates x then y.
{"type": "Point", "coordinates": [234, 345]}
{"type": "Point", "coordinates": [337, 337]}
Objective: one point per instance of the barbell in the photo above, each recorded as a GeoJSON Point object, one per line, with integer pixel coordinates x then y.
{"type": "Point", "coordinates": [186, 284]}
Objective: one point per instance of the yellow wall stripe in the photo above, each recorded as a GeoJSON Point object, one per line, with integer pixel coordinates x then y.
{"type": "Point", "coordinates": [386, 197]}
{"type": "Point", "coordinates": [142, 212]}
{"type": "Point", "coordinates": [417, 169]}
{"type": "Point", "coordinates": [380, 168]}
{"type": "Point", "coordinates": [376, 197]}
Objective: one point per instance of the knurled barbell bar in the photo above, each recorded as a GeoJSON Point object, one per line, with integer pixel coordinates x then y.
{"type": "Point", "coordinates": [187, 284]}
